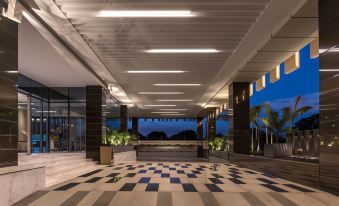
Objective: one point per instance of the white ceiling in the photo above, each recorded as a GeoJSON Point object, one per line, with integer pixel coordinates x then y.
{"type": "Point", "coordinates": [44, 62]}
{"type": "Point", "coordinates": [120, 44]}
{"type": "Point", "coordinates": [112, 46]}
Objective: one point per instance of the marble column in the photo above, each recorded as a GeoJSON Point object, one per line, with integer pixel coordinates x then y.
{"type": "Point", "coordinates": [8, 92]}
{"type": "Point", "coordinates": [239, 123]}
{"type": "Point", "coordinates": [123, 118]}
{"type": "Point", "coordinates": [135, 126]}
{"type": "Point", "coordinates": [211, 123]}
{"type": "Point", "coordinates": [329, 96]}
{"type": "Point", "coordinates": [95, 121]}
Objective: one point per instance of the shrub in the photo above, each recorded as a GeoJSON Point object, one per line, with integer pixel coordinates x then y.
{"type": "Point", "coordinates": [218, 144]}
{"type": "Point", "coordinates": [115, 137]}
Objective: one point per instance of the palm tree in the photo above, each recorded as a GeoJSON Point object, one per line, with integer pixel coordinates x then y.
{"type": "Point", "coordinates": [291, 113]}
{"type": "Point", "coordinates": [254, 119]}
{"type": "Point", "coordinates": [274, 122]}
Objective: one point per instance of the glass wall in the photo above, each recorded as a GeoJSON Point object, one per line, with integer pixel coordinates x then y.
{"type": "Point", "coordinates": [58, 122]}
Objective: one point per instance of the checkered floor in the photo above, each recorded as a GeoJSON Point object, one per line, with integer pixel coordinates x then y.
{"type": "Point", "coordinates": [163, 183]}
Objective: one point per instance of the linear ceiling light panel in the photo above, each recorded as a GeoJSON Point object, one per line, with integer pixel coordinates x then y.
{"type": "Point", "coordinates": [173, 109]}
{"type": "Point", "coordinates": [165, 112]}
{"type": "Point", "coordinates": [145, 13]}
{"type": "Point", "coordinates": [182, 51]}
{"type": "Point", "coordinates": [160, 105]}
{"type": "Point", "coordinates": [251, 91]}
{"type": "Point", "coordinates": [173, 114]}
{"type": "Point", "coordinates": [174, 100]}
{"type": "Point", "coordinates": [161, 92]}
{"type": "Point", "coordinates": [173, 85]}
{"type": "Point", "coordinates": [155, 71]}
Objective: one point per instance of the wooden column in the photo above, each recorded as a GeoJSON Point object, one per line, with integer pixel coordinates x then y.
{"type": "Point", "coordinates": [123, 118]}
{"type": "Point", "coordinates": [135, 126]}
{"type": "Point", "coordinates": [8, 92]}
{"type": "Point", "coordinates": [199, 128]}
{"type": "Point", "coordinates": [211, 126]}
{"type": "Point", "coordinates": [239, 124]}
{"type": "Point", "coordinates": [95, 121]}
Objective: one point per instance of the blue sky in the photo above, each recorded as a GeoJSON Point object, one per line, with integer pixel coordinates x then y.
{"type": "Point", "coordinates": [304, 81]}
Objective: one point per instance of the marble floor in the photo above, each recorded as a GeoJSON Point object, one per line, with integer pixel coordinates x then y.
{"type": "Point", "coordinates": [171, 183]}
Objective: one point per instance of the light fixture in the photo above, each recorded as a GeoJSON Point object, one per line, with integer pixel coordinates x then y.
{"type": "Point", "coordinates": [322, 51]}
{"type": "Point", "coordinates": [155, 71]}
{"type": "Point", "coordinates": [182, 51]}
{"type": "Point", "coordinates": [160, 105]}
{"type": "Point", "coordinates": [145, 13]}
{"type": "Point", "coordinates": [173, 114]}
{"type": "Point", "coordinates": [173, 109]}
{"type": "Point", "coordinates": [173, 85]}
{"type": "Point", "coordinates": [165, 112]}
{"type": "Point", "coordinates": [174, 100]}
{"type": "Point", "coordinates": [329, 70]}
{"type": "Point", "coordinates": [161, 92]}
{"type": "Point", "coordinates": [12, 72]}
{"type": "Point", "coordinates": [335, 49]}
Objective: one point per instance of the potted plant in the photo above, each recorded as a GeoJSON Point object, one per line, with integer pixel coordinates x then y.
{"type": "Point", "coordinates": [219, 147]}
{"type": "Point", "coordinates": [106, 152]}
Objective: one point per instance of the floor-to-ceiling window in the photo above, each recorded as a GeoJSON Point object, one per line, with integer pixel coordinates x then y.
{"type": "Point", "coordinates": [57, 118]}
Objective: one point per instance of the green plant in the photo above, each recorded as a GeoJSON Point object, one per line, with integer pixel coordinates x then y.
{"type": "Point", "coordinates": [115, 137]}
{"type": "Point", "coordinates": [218, 144]}
{"type": "Point", "coordinates": [291, 113]}
{"type": "Point", "coordinates": [274, 122]}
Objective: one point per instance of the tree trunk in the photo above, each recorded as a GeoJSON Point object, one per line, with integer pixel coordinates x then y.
{"type": "Point", "coordinates": [266, 135]}
{"type": "Point", "coordinates": [271, 137]}
{"type": "Point", "coordinates": [258, 139]}
{"type": "Point", "coordinates": [252, 140]}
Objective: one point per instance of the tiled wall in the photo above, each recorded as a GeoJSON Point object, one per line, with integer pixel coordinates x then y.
{"type": "Point", "coordinates": [329, 95]}
{"type": "Point", "coordinates": [8, 92]}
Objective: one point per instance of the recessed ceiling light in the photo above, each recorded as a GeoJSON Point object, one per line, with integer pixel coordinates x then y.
{"type": "Point", "coordinates": [12, 72]}
{"type": "Point", "coordinates": [174, 100]}
{"type": "Point", "coordinates": [173, 109]}
{"type": "Point", "coordinates": [182, 51]}
{"type": "Point", "coordinates": [173, 114]}
{"type": "Point", "coordinates": [161, 92]}
{"type": "Point", "coordinates": [155, 71]}
{"type": "Point", "coordinates": [165, 112]}
{"type": "Point", "coordinates": [144, 13]}
{"type": "Point", "coordinates": [160, 105]}
{"type": "Point", "coordinates": [184, 85]}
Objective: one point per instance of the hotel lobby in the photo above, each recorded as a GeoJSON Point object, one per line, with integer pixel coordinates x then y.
{"type": "Point", "coordinates": [159, 102]}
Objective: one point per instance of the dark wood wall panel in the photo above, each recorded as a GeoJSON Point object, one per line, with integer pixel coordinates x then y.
{"type": "Point", "coordinates": [300, 172]}
{"type": "Point", "coordinates": [8, 93]}
{"type": "Point", "coordinates": [239, 104]}
{"type": "Point", "coordinates": [95, 122]}
{"type": "Point", "coordinates": [329, 95]}
{"type": "Point", "coordinates": [123, 118]}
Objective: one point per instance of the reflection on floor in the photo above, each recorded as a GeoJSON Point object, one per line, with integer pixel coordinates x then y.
{"type": "Point", "coordinates": [170, 183]}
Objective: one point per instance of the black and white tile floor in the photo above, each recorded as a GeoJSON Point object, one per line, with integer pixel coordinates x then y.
{"type": "Point", "coordinates": [164, 183]}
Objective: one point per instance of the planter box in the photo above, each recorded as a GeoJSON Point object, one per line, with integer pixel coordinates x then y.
{"type": "Point", "coordinates": [125, 156]}
{"type": "Point", "coordinates": [122, 148]}
{"type": "Point", "coordinates": [106, 154]}
{"type": "Point", "coordinates": [278, 150]}
{"type": "Point", "coordinates": [219, 154]}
